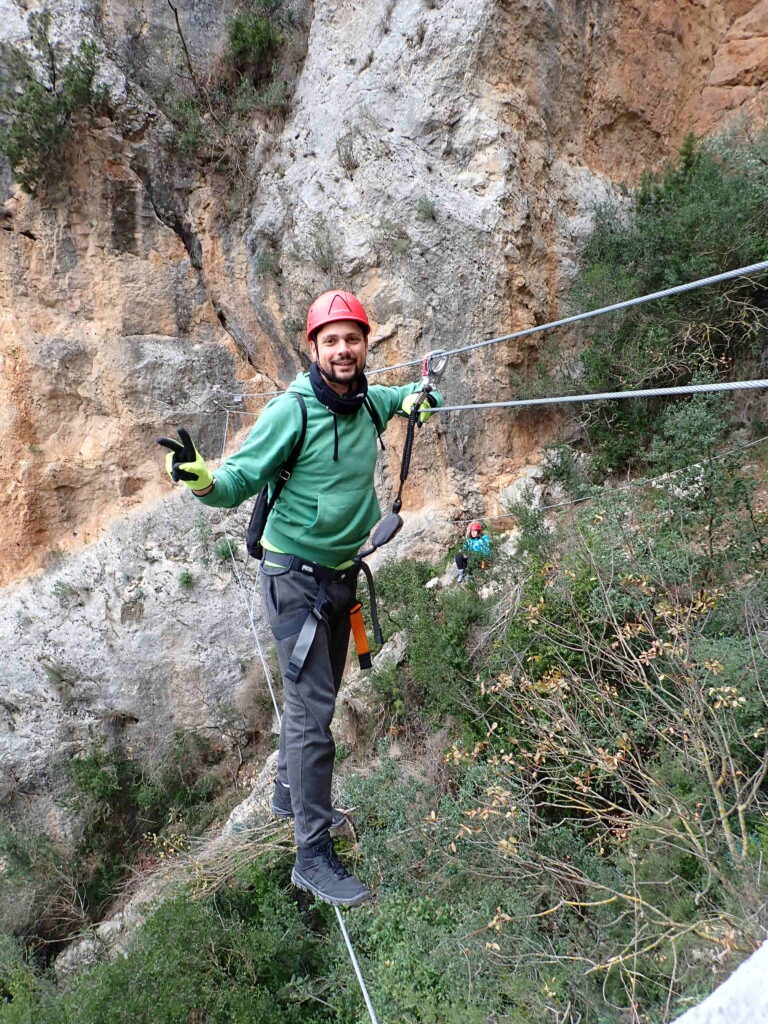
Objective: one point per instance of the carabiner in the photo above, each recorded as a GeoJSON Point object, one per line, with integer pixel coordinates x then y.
{"type": "Point", "coordinates": [432, 366]}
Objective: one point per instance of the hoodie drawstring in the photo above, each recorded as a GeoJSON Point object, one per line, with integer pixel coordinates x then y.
{"type": "Point", "coordinates": [335, 438]}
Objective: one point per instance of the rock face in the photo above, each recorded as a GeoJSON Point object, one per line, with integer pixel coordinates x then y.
{"type": "Point", "coordinates": [140, 634]}
{"type": "Point", "coordinates": [442, 159]}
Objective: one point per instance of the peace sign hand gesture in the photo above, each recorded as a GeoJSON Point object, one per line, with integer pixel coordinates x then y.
{"type": "Point", "coordinates": [184, 462]}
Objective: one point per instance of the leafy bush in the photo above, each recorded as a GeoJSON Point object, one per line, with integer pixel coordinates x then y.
{"type": "Point", "coordinates": [592, 841]}
{"type": "Point", "coordinates": [130, 811]}
{"type": "Point", "coordinates": [244, 956]}
{"type": "Point", "coordinates": [213, 112]}
{"type": "Point", "coordinates": [225, 549]}
{"type": "Point", "coordinates": [425, 208]}
{"type": "Point", "coordinates": [186, 580]}
{"type": "Point", "coordinates": [706, 214]}
{"type": "Point", "coordinates": [186, 115]}
{"type": "Point", "coordinates": [254, 35]}
{"type": "Point", "coordinates": [437, 625]}
{"type": "Point", "coordinates": [41, 113]}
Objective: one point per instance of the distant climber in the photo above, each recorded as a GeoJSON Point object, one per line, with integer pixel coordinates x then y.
{"type": "Point", "coordinates": [326, 427]}
{"type": "Point", "coordinates": [475, 553]}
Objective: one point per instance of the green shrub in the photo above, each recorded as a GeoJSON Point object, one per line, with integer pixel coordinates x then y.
{"type": "Point", "coordinates": [425, 208]}
{"type": "Point", "coordinates": [130, 810]}
{"type": "Point", "coordinates": [225, 549]}
{"type": "Point", "coordinates": [40, 113]}
{"type": "Point", "coordinates": [186, 580]}
{"type": "Point", "coordinates": [254, 36]}
{"type": "Point", "coordinates": [437, 625]}
{"type": "Point", "coordinates": [605, 780]}
{"type": "Point", "coordinates": [241, 956]}
{"type": "Point", "coordinates": [186, 116]}
{"type": "Point", "coordinates": [706, 214]}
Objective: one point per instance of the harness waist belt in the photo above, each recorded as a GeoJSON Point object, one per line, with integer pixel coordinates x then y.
{"type": "Point", "coordinates": [322, 573]}
{"type": "Point", "coordinates": [306, 624]}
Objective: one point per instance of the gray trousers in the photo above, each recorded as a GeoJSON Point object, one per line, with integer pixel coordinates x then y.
{"type": "Point", "coordinates": [307, 749]}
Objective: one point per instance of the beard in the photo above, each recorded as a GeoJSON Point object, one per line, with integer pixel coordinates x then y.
{"type": "Point", "coordinates": [339, 373]}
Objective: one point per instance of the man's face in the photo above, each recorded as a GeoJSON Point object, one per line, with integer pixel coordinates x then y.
{"type": "Point", "coordinates": [474, 533]}
{"type": "Point", "coordinates": [340, 349]}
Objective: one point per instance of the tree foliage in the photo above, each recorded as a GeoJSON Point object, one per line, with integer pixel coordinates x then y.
{"type": "Point", "coordinates": [704, 215]}
{"type": "Point", "coordinates": [41, 99]}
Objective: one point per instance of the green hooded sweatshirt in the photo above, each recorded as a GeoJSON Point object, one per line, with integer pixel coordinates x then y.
{"type": "Point", "coordinates": [328, 506]}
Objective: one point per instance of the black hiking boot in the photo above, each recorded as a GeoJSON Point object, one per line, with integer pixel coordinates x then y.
{"type": "Point", "coordinates": [280, 806]}
{"type": "Point", "coordinates": [318, 870]}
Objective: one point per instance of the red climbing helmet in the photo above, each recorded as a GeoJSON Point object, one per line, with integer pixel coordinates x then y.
{"type": "Point", "coordinates": [476, 526]}
{"type": "Point", "coordinates": [332, 306]}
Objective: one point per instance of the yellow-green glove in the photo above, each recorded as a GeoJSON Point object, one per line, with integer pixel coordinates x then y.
{"type": "Point", "coordinates": [426, 404]}
{"type": "Point", "coordinates": [184, 462]}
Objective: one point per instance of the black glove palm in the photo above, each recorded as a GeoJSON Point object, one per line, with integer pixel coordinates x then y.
{"type": "Point", "coordinates": [184, 462]}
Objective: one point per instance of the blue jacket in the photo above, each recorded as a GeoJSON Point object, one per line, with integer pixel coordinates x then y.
{"type": "Point", "coordinates": [480, 546]}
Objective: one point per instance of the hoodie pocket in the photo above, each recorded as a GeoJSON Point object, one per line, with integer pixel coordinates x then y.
{"type": "Point", "coordinates": [343, 520]}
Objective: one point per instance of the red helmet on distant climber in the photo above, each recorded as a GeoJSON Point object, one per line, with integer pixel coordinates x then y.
{"type": "Point", "coordinates": [476, 526]}
{"type": "Point", "coordinates": [332, 306]}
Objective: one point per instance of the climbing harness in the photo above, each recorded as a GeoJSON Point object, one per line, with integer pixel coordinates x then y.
{"type": "Point", "coordinates": [307, 623]}
{"type": "Point", "coordinates": [432, 367]}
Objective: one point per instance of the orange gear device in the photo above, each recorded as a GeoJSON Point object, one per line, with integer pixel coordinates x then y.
{"type": "Point", "coordinates": [358, 632]}
{"type": "Point", "coordinates": [331, 306]}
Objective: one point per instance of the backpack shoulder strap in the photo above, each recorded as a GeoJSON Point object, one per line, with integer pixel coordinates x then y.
{"type": "Point", "coordinates": [296, 450]}
{"type": "Point", "coordinates": [377, 424]}
{"type": "Point", "coordinates": [264, 501]}
{"type": "Point", "coordinates": [290, 462]}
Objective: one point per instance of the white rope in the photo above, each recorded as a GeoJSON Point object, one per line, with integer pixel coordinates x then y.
{"type": "Point", "coordinates": [243, 393]}
{"type": "Point", "coordinates": [358, 972]}
{"type": "Point", "coordinates": [602, 396]}
{"type": "Point", "coordinates": [677, 290]}
{"type": "Point", "coordinates": [688, 389]}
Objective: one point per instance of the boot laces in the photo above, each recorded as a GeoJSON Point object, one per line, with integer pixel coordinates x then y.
{"type": "Point", "coordinates": [336, 866]}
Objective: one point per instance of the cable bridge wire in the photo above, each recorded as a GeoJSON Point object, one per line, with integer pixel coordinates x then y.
{"type": "Point", "coordinates": [752, 268]}
{"type": "Point", "coordinates": [728, 275]}
{"type": "Point", "coordinates": [687, 389]}
{"type": "Point", "coordinates": [250, 605]}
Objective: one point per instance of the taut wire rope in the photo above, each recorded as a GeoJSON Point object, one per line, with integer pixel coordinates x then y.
{"type": "Point", "coordinates": [601, 396]}
{"type": "Point", "coordinates": [728, 275]}
{"type": "Point", "coordinates": [677, 290]}
{"type": "Point", "coordinates": [604, 396]}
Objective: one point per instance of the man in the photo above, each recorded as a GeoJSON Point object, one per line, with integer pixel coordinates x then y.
{"type": "Point", "coordinates": [476, 550]}
{"type": "Point", "coordinates": [323, 515]}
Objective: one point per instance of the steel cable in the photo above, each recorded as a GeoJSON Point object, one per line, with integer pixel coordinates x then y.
{"type": "Point", "coordinates": [604, 396]}
{"type": "Point", "coordinates": [677, 290]}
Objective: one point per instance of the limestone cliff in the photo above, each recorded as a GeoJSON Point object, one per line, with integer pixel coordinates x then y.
{"type": "Point", "coordinates": [440, 158]}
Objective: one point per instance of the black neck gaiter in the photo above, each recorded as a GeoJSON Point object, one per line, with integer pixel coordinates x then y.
{"type": "Point", "coordinates": [342, 405]}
